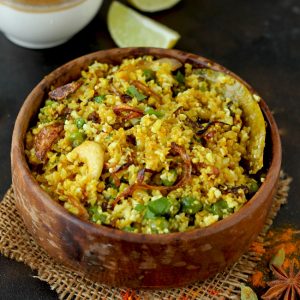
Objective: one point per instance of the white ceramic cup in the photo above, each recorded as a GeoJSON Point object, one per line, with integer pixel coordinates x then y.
{"type": "Point", "coordinates": [39, 24]}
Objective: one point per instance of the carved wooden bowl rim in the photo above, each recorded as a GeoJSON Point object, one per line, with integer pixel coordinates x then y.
{"type": "Point", "coordinates": [32, 104]}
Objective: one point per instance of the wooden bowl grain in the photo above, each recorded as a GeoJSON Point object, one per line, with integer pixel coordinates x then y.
{"type": "Point", "coordinates": [127, 259]}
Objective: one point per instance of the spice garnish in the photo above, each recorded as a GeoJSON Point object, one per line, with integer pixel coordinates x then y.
{"type": "Point", "coordinates": [286, 284]}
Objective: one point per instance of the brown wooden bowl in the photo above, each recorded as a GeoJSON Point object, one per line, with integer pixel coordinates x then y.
{"type": "Point", "coordinates": [120, 258]}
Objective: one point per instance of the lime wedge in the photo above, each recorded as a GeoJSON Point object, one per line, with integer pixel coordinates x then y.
{"type": "Point", "coordinates": [153, 5]}
{"type": "Point", "coordinates": [131, 29]}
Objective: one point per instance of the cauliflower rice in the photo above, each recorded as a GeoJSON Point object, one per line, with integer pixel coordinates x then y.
{"type": "Point", "coordinates": [149, 146]}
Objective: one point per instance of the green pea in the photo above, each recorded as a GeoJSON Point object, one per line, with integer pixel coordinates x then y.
{"type": "Point", "coordinates": [158, 225]}
{"type": "Point", "coordinates": [218, 207]}
{"type": "Point", "coordinates": [191, 205]}
{"type": "Point", "coordinates": [171, 179]}
{"type": "Point", "coordinates": [79, 122]}
{"type": "Point", "coordinates": [77, 137]}
{"type": "Point", "coordinates": [99, 99]}
{"type": "Point", "coordinates": [160, 206]}
{"type": "Point", "coordinates": [253, 187]}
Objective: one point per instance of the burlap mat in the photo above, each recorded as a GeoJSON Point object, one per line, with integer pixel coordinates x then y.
{"type": "Point", "coordinates": [16, 243]}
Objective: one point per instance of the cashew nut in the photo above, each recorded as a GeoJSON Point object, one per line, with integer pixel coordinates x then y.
{"type": "Point", "coordinates": [92, 154]}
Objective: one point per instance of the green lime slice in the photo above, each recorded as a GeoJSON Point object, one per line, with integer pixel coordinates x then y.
{"type": "Point", "coordinates": [153, 5]}
{"type": "Point", "coordinates": [131, 29]}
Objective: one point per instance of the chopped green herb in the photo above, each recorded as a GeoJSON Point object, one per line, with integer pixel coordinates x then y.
{"type": "Point", "coordinates": [149, 74]}
{"type": "Point", "coordinates": [99, 99]}
{"type": "Point", "coordinates": [151, 111]}
{"type": "Point", "coordinates": [180, 78]}
{"type": "Point", "coordinates": [133, 92]}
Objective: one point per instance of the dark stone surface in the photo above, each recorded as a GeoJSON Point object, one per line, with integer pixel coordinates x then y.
{"type": "Point", "coordinates": [259, 40]}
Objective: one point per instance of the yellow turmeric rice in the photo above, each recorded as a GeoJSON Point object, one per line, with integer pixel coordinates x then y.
{"type": "Point", "coordinates": [149, 146]}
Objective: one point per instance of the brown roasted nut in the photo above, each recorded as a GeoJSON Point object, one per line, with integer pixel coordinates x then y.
{"type": "Point", "coordinates": [44, 140]}
{"type": "Point", "coordinates": [65, 90]}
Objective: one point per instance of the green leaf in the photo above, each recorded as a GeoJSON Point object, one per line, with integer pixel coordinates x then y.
{"type": "Point", "coordinates": [278, 259]}
{"type": "Point", "coordinates": [133, 92]}
{"type": "Point", "coordinates": [247, 293]}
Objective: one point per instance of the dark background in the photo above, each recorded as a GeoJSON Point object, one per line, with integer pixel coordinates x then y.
{"type": "Point", "coordinates": [258, 40]}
